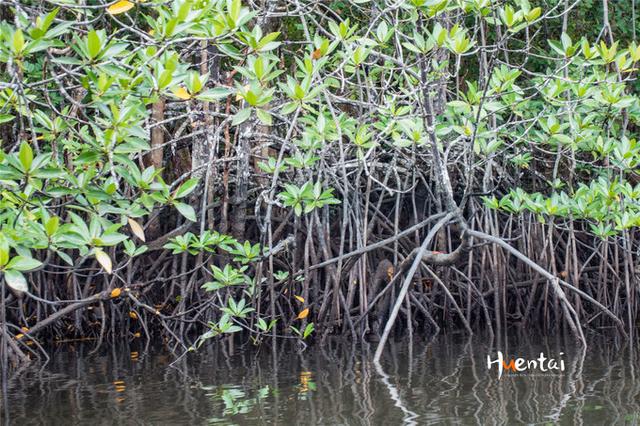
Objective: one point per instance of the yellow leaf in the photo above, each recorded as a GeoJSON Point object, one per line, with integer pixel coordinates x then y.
{"type": "Point", "coordinates": [136, 228]}
{"type": "Point", "coordinates": [305, 378]}
{"type": "Point", "coordinates": [181, 93]}
{"type": "Point", "coordinates": [104, 260]}
{"type": "Point", "coordinates": [299, 299]}
{"type": "Point", "coordinates": [19, 336]}
{"type": "Point", "coordinates": [303, 314]}
{"type": "Point", "coordinates": [136, 334]}
{"type": "Point", "coordinates": [133, 315]}
{"type": "Point", "coordinates": [116, 292]}
{"type": "Point", "coordinates": [120, 7]}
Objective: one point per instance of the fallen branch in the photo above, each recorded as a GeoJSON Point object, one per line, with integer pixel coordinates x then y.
{"type": "Point", "coordinates": [103, 295]}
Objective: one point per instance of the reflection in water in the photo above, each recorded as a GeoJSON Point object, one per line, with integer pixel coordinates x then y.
{"type": "Point", "coordinates": [236, 401]}
{"type": "Point", "coordinates": [443, 381]}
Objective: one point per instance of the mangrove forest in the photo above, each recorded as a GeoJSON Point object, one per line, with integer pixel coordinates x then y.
{"type": "Point", "coordinates": [283, 173]}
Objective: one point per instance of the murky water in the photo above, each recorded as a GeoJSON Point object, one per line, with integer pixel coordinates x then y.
{"type": "Point", "coordinates": [443, 381]}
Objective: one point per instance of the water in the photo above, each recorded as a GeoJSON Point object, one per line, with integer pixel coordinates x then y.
{"type": "Point", "coordinates": [444, 381]}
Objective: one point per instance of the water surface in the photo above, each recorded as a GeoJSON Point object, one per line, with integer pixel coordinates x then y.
{"type": "Point", "coordinates": [441, 381]}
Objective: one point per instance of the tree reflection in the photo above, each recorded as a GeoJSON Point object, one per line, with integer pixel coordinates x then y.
{"type": "Point", "coordinates": [444, 380]}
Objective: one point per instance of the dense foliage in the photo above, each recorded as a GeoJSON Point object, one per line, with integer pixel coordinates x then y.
{"type": "Point", "coordinates": [204, 167]}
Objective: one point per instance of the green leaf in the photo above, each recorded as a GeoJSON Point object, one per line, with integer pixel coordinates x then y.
{"type": "Point", "coordinates": [234, 7]}
{"type": "Point", "coordinates": [94, 44]}
{"type": "Point", "coordinates": [186, 188]}
{"type": "Point", "coordinates": [64, 257]}
{"type": "Point", "coordinates": [186, 210]}
{"type": "Point", "coordinates": [59, 29]}
{"type": "Point", "coordinates": [22, 263]}
{"type": "Point", "coordinates": [534, 14]}
{"type": "Point", "coordinates": [4, 250]}
{"type": "Point", "coordinates": [564, 139]}
{"type": "Point", "coordinates": [264, 117]}
{"type": "Point", "coordinates": [307, 330]}
{"type": "Point", "coordinates": [288, 108]}
{"type": "Point", "coordinates": [214, 94]}
{"type": "Point", "coordinates": [16, 281]}
{"type": "Point", "coordinates": [18, 41]}
{"type": "Point", "coordinates": [5, 118]}
{"type": "Point", "coordinates": [241, 116]}
{"type": "Point", "coordinates": [111, 239]}
{"type": "Point", "coordinates": [262, 324]}
{"type": "Point", "coordinates": [26, 156]}
{"type": "Point", "coordinates": [51, 226]}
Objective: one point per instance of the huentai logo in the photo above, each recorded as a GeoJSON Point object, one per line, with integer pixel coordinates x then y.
{"type": "Point", "coordinates": [512, 365]}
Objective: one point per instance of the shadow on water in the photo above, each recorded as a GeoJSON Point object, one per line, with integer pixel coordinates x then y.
{"type": "Point", "coordinates": [442, 381]}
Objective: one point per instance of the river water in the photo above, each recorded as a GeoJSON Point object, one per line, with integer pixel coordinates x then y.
{"type": "Point", "coordinates": [445, 380]}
